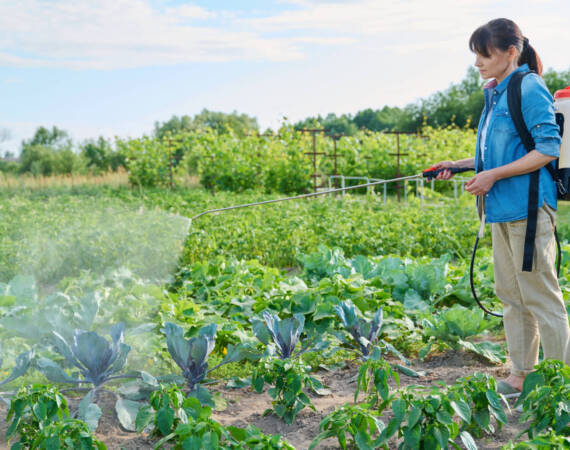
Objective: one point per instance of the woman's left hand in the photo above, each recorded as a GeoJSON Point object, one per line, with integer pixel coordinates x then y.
{"type": "Point", "coordinates": [481, 183]}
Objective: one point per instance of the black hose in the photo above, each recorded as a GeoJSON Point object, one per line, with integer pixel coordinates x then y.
{"type": "Point", "coordinates": [473, 263]}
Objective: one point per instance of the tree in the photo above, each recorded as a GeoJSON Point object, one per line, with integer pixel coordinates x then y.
{"type": "Point", "coordinates": [176, 125]}
{"type": "Point", "coordinates": [101, 156]}
{"type": "Point", "coordinates": [334, 124]}
{"type": "Point", "coordinates": [50, 152]}
{"type": "Point", "coordinates": [55, 138]}
{"type": "Point", "coordinates": [556, 80]}
{"type": "Point", "coordinates": [241, 124]}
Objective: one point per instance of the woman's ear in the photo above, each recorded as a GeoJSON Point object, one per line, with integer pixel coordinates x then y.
{"type": "Point", "coordinates": [513, 53]}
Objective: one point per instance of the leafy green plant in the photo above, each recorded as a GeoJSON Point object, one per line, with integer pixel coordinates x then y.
{"type": "Point", "coordinates": [475, 400]}
{"type": "Point", "coordinates": [252, 437]}
{"type": "Point", "coordinates": [545, 441]}
{"type": "Point", "coordinates": [281, 336]}
{"type": "Point", "coordinates": [283, 367]}
{"type": "Point", "coordinates": [428, 420]}
{"type": "Point", "coordinates": [198, 430]}
{"type": "Point", "coordinates": [68, 434]}
{"type": "Point", "coordinates": [354, 426]}
{"type": "Point", "coordinates": [451, 328]}
{"type": "Point", "coordinates": [191, 355]}
{"type": "Point", "coordinates": [23, 362]}
{"type": "Point", "coordinates": [288, 378]}
{"type": "Point", "coordinates": [364, 333]}
{"type": "Point", "coordinates": [98, 363]}
{"type": "Point", "coordinates": [168, 406]}
{"type": "Point", "coordinates": [364, 336]}
{"type": "Point", "coordinates": [545, 399]}
{"type": "Point", "coordinates": [32, 409]}
{"type": "Point", "coordinates": [373, 377]}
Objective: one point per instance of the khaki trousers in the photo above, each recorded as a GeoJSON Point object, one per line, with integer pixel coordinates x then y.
{"type": "Point", "coordinates": [534, 310]}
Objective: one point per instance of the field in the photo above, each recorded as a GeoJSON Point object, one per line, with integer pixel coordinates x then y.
{"type": "Point", "coordinates": [303, 304]}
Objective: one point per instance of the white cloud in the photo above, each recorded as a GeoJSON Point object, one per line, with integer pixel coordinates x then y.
{"type": "Point", "coordinates": [372, 17]}
{"type": "Point", "coordinates": [108, 34]}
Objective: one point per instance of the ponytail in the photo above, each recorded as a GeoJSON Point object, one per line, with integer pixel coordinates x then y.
{"type": "Point", "coordinates": [501, 34]}
{"type": "Point", "coordinates": [529, 56]}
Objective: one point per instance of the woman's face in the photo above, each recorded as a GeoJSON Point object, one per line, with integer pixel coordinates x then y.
{"type": "Point", "coordinates": [499, 64]}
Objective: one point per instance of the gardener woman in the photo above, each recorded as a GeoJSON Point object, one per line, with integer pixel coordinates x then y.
{"type": "Point", "coordinates": [534, 310]}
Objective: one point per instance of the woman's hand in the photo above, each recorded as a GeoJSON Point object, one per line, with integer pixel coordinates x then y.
{"type": "Point", "coordinates": [446, 174]}
{"type": "Point", "coordinates": [481, 183]}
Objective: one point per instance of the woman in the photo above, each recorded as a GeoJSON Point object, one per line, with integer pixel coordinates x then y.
{"type": "Point", "coordinates": [534, 310]}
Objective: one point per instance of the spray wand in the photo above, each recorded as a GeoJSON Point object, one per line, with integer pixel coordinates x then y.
{"type": "Point", "coordinates": [429, 174]}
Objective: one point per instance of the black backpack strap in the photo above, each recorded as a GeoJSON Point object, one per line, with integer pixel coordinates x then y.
{"type": "Point", "coordinates": [514, 99]}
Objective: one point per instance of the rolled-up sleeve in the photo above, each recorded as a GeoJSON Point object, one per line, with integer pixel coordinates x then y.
{"type": "Point", "coordinates": [538, 114]}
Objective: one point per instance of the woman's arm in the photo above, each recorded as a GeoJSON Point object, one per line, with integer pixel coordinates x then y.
{"type": "Point", "coordinates": [481, 183]}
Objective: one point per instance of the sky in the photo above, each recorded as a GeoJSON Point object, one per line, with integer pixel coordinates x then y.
{"type": "Point", "coordinates": [115, 67]}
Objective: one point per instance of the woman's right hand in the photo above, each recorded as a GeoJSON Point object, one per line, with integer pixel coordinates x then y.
{"type": "Point", "coordinates": [446, 174]}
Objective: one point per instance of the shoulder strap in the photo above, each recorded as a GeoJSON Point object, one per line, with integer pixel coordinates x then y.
{"type": "Point", "coordinates": [514, 100]}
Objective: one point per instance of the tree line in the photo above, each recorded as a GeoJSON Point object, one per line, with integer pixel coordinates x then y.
{"type": "Point", "coordinates": [52, 152]}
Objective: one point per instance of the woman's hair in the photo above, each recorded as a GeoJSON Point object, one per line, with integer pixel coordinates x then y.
{"type": "Point", "coordinates": [500, 34]}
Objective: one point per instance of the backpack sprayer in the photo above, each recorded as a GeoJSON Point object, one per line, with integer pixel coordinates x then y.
{"type": "Point", "coordinates": [562, 108]}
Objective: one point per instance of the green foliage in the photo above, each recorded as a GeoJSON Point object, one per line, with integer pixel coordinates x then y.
{"type": "Point", "coordinates": [50, 152]}
{"type": "Point", "coordinates": [168, 407]}
{"type": "Point", "coordinates": [101, 156]}
{"type": "Point", "coordinates": [90, 353]}
{"type": "Point", "coordinates": [545, 441]}
{"type": "Point", "coordinates": [32, 409]}
{"type": "Point", "coordinates": [475, 400]}
{"type": "Point", "coordinates": [186, 423]}
{"type": "Point", "coordinates": [364, 332]}
{"type": "Point", "coordinates": [191, 354]}
{"type": "Point", "coordinates": [252, 438]}
{"type": "Point", "coordinates": [288, 377]}
{"type": "Point", "coordinates": [195, 431]}
{"type": "Point", "coordinates": [354, 426]}
{"type": "Point", "coordinates": [23, 362]}
{"type": "Point", "coordinates": [545, 399]}
{"type": "Point", "coordinates": [51, 138]}
{"type": "Point", "coordinates": [241, 124]}
{"type": "Point", "coordinates": [148, 161]}
{"type": "Point", "coordinates": [373, 377]}
{"type": "Point", "coordinates": [556, 80]}
{"type": "Point", "coordinates": [452, 326]}
{"type": "Point", "coordinates": [68, 434]}
{"type": "Point", "coordinates": [425, 420]}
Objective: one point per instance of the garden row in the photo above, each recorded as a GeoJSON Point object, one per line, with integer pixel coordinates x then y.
{"type": "Point", "coordinates": [280, 163]}
{"type": "Point", "coordinates": [295, 307]}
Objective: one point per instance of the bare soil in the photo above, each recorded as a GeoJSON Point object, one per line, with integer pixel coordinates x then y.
{"type": "Point", "coordinates": [246, 407]}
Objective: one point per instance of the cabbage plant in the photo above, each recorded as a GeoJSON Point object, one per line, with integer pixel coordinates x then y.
{"type": "Point", "coordinates": [364, 333]}
{"type": "Point", "coordinates": [281, 336]}
{"type": "Point", "coordinates": [98, 362]}
{"type": "Point", "coordinates": [191, 355]}
{"type": "Point", "coordinates": [23, 362]}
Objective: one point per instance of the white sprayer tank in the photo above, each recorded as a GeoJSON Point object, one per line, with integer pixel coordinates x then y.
{"type": "Point", "coordinates": [562, 106]}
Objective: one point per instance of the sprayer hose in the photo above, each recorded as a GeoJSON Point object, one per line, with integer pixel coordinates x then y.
{"type": "Point", "coordinates": [297, 197]}
{"type": "Point", "coordinates": [473, 263]}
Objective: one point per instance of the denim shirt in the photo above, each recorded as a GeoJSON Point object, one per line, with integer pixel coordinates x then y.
{"type": "Point", "coordinates": [507, 200]}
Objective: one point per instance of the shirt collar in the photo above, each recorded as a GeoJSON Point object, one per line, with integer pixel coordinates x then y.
{"type": "Point", "coordinates": [500, 87]}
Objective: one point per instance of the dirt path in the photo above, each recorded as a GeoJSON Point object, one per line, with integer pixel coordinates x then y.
{"type": "Point", "coordinates": [246, 407]}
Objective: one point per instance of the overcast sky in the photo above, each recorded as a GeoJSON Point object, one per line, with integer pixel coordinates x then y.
{"type": "Point", "coordinates": [114, 67]}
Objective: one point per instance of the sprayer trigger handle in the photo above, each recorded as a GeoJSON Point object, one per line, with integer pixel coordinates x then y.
{"type": "Point", "coordinates": [432, 173]}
